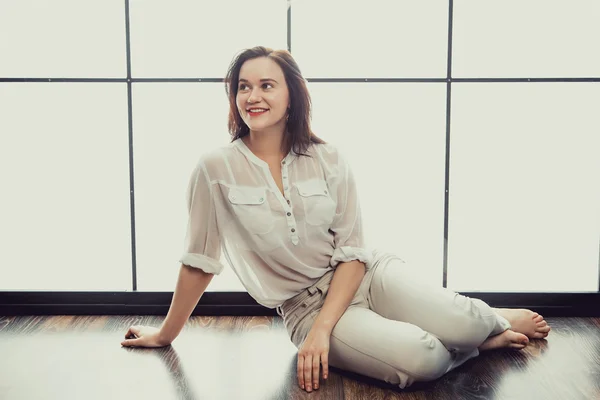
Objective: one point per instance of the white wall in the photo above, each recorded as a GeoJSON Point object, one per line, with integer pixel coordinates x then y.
{"type": "Point", "coordinates": [524, 209]}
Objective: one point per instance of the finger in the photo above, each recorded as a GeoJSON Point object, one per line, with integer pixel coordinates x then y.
{"type": "Point", "coordinates": [133, 331]}
{"type": "Point", "coordinates": [131, 342]}
{"type": "Point", "coordinates": [131, 335]}
{"type": "Point", "coordinates": [315, 371]}
{"type": "Point", "coordinates": [325, 364]}
{"type": "Point", "coordinates": [308, 371]}
{"type": "Point", "coordinates": [300, 371]}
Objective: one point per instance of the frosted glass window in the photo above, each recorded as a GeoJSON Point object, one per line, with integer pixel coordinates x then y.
{"type": "Point", "coordinates": [184, 38]}
{"type": "Point", "coordinates": [64, 167]}
{"type": "Point", "coordinates": [524, 193]}
{"type": "Point", "coordinates": [394, 137]}
{"type": "Point", "coordinates": [174, 124]}
{"type": "Point", "coordinates": [62, 39]}
{"type": "Point", "coordinates": [535, 38]}
{"type": "Point", "coordinates": [379, 38]}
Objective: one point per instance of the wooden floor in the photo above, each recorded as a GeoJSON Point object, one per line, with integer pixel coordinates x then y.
{"type": "Point", "coordinates": [80, 357]}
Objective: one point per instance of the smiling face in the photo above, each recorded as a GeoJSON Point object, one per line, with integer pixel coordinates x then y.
{"type": "Point", "coordinates": [263, 97]}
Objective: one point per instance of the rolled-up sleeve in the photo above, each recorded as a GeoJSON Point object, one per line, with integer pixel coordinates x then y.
{"type": "Point", "coordinates": [347, 225]}
{"type": "Point", "coordinates": [202, 248]}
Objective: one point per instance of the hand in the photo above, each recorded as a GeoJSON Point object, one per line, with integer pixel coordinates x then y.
{"type": "Point", "coordinates": [143, 336]}
{"type": "Point", "coordinates": [314, 351]}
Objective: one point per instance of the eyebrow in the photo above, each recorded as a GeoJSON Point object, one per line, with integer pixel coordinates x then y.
{"type": "Point", "coordinates": [262, 80]}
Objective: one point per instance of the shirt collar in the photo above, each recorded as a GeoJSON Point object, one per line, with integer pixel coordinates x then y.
{"type": "Point", "coordinates": [291, 156]}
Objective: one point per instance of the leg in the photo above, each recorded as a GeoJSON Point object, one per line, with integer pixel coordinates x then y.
{"type": "Point", "coordinates": [393, 351]}
{"type": "Point", "coordinates": [461, 323]}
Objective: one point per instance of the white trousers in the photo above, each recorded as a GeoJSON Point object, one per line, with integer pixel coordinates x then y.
{"type": "Point", "coordinates": [397, 329]}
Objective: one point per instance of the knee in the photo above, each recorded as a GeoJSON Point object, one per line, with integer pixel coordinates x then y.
{"type": "Point", "coordinates": [428, 360]}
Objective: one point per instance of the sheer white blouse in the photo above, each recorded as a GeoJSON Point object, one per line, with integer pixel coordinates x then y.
{"type": "Point", "coordinates": [277, 245]}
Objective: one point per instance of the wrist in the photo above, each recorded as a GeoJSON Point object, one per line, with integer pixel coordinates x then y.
{"type": "Point", "coordinates": [164, 339]}
{"type": "Point", "coordinates": [322, 327]}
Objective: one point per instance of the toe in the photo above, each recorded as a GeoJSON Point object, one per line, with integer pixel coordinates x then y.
{"type": "Point", "coordinates": [539, 318]}
{"type": "Point", "coordinates": [540, 335]}
{"type": "Point", "coordinates": [540, 324]}
{"type": "Point", "coordinates": [543, 329]}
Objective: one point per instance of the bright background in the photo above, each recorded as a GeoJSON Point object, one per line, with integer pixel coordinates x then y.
{"type": "Point", "coordinates": [524, 198]}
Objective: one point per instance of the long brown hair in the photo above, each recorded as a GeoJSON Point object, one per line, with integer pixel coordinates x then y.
{"type": "Point", "coordinates": [298, 134]}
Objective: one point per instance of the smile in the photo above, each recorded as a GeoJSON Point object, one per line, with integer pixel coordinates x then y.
{"type": "Point", "coordinates": [256, 111]}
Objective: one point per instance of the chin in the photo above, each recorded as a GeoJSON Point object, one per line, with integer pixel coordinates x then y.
{"type": "Point", "coordinates": [260, 127]}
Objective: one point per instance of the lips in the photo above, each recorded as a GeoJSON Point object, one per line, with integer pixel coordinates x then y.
{"type": "Point", "coordinates": [254, 112]}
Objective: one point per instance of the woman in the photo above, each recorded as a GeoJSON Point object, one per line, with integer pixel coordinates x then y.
{"type": "Point", "coordinates": [283, 206]}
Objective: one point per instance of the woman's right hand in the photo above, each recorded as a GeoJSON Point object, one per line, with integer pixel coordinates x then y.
{"type": "Point", "coordinates": [143, 336]}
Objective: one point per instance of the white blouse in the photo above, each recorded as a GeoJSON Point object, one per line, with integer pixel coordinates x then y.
{"type": "Point", "coordinates": [277, 245]}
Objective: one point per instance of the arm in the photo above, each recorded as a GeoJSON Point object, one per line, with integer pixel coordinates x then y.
{"type": "Point", "coordinates": [349, 257]}
{"type": "Point", "coordinates": [191, 284]}
{"type": "Point", "coordinates": [350, 260]}
{"type": "Point", "coordinates": [199, 263]}
{"type": "Point", "coordinates": [344, 284]}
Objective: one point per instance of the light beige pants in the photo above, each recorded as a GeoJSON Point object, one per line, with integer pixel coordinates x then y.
{"type": "Point", "coordinates": [396, 329]}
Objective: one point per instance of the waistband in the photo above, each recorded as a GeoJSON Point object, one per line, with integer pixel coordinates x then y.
{"type": "Point", "coordinates": [321, 285]}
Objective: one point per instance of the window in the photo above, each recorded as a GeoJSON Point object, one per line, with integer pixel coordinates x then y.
{"type": "Point", "coordinates": [474, 139]}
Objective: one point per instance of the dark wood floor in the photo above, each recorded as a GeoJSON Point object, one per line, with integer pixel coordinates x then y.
{"type": "Point", "coordinates": [80, 357]}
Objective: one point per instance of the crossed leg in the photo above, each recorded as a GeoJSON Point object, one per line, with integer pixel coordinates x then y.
{"type": "Point", "coordinates": [461, 323]}
{"type": "Point", "coordinates": [417, 332]}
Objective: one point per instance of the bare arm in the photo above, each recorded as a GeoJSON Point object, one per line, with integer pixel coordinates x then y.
{"type": "Point", "coordinates": [191, 284]}
{"type": "Point", "coordinates": [315, 349]}
{"type": "Point", "coordinates": [344, 284]}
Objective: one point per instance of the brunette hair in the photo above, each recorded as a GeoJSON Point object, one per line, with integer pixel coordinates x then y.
{"type": "Point", "coordinates": [298, 135]}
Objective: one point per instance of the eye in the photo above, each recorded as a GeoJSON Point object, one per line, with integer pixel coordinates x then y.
{"type": "Point", "coordinates": [242, 86]}
{"type": "Point", "coordinates": [267, 84]}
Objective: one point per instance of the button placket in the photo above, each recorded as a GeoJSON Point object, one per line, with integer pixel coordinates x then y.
{"type": "Point", "coordinates": [285, 180]}
{"type": "Point", "coordinates": [286, 187]}
{"type": "Point", "coordinates": [294, 235]}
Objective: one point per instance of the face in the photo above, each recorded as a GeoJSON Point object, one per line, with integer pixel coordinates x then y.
{"type": "Point", "coordinates": [262, 98]}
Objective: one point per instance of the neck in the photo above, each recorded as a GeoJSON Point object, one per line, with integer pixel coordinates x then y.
{"type": "Point", "coordinates": [265, 144]}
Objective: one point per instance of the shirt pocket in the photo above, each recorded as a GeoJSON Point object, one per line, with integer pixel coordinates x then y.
{"type": "Point", "coordinates": [319, 207]}
{"type": "Point", "coordinates": [252, 209]}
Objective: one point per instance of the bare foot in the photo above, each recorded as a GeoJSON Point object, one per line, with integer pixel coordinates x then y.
{"type": "Point", "coordinates": [507, 339]}
{"type": "Point", "coordinates": [526, 322]}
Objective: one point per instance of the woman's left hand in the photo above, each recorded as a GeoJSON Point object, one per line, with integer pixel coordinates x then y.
{"type": "Point", "coordinates": [313, 352]}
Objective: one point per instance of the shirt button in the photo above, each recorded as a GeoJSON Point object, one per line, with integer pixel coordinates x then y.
{"type": "Point", "coordinates": [283, 162]}
{"type": "Point", "coordinates": [287, 201]}
{"type": "Point", "coordinates": [293, 230]}
{"type": "Point", "coordinates": [289, 214]}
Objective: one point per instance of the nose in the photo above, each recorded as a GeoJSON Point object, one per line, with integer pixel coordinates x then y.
{"type": "Point", "coordinates": [254, 97]}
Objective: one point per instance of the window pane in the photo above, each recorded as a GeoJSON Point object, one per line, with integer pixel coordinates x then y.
{"type": "Point", "coordinates": [394, 137]}
{"type": "Point", "coordinates": [62, 38]}
{"type": "Point", "coordinates": [524, 194]}
{"type": "Point", "coordinates": [378, 38]}
{"type": "Point", "coordinates": [64, 167]}
{"type": "Point", "coordinates": [536, 38]}
{"type": "Point", "coordinates": [174, 125]}
{"type": "Point", "coordinates": [199, 38]}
